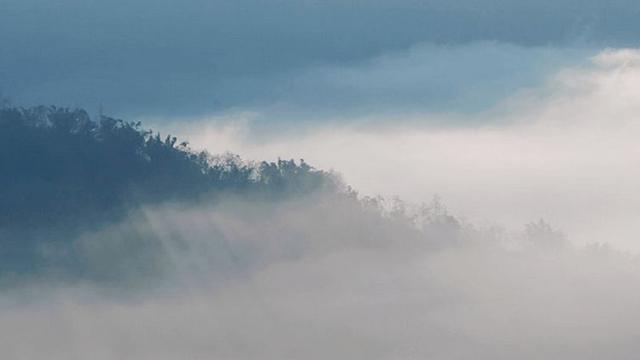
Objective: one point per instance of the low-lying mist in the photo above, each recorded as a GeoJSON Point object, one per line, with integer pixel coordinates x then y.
{"type": "Point", "coordinates": [326, 276]}
{"type": "Point", "coordinates": [563, 150]}
{"type": "Point", "coordinates": [172, 254]}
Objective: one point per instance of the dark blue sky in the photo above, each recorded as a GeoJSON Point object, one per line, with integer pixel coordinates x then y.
{"type": "Point", "coordinates": [187, 58]}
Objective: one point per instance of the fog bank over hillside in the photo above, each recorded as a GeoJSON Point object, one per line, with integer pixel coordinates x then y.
{"type": "Point", "coordinates": [322, 277]}
{"type": "Point", "coordinates": [131, 245]}
{"type": "Point", "coordinates": [563, 151]}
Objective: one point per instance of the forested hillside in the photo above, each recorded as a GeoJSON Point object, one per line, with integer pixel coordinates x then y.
{"type": "Point", "coordinates": [63, 173]}
{"type": "Point", "coordinates": [58, 164]}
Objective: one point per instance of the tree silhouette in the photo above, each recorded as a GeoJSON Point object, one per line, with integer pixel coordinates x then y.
{"type": "Point", "coordinates": [62, 171]}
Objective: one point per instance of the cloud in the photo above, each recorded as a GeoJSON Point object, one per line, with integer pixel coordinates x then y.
{"type": "Point", "coordinates": [426, 77]}
{"type": "Point", "coordinates": [459, 78]}
{"type": "Point", "coordinates": [332, 282]}
{"type": "Point", "coordinates": [162, 59]}
{"type": "Point", "coordinates": [562, 150]}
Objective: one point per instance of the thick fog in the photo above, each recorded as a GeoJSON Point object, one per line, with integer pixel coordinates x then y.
{"type": "Point", "coordinates": [325, 276]}
{"type": "Point", "coordinates": [563, 150]}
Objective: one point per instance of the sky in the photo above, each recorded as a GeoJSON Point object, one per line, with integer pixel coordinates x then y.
{"type": "Point", "coordinates": [163, 59]}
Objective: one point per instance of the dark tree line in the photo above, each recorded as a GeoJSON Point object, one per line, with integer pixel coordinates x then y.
{"type": "Point", "coordinates": [60, 170]}
{"type": "Point", "coordinates": [57, 164]}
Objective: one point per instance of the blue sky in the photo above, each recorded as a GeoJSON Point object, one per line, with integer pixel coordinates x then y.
{"type": "Point", "coordinates": [298, 59]}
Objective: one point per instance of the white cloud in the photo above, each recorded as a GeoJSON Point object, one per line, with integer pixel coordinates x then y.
{"type": "Point", "coordinates": [565, 151]}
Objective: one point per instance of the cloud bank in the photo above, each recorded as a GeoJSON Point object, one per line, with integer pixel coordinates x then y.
{"type": "Point", "coordinates": [315, 278]}
{"type": "Point", "coordinates": [560, 151]}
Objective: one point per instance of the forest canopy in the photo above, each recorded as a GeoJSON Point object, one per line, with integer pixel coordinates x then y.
{"type": "Point", "coordinates": [63, 174]}
{"type": "Point", "coordinates": [57, 164]}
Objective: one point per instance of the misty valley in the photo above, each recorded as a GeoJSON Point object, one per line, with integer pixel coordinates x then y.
{"type": "Point", "coordinates": [117, 242]}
